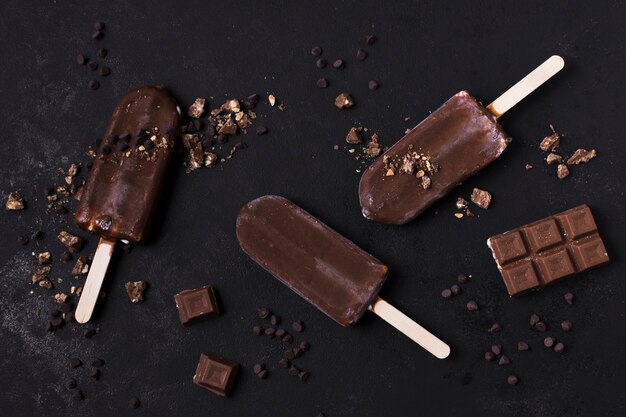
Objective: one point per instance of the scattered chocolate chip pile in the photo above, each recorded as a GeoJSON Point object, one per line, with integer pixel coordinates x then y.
{"type": "Point", "coordinates": [83, 60]}
{"type": "Point", "coordinates": [551, 142]}
{"type": "Point", "coordinates": [413, 163]}
{"type": "Point", "coordinates": [287, 361]}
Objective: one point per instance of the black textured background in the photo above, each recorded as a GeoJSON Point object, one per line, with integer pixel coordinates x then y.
{"type": "Point", "coordinates": [426, 52]}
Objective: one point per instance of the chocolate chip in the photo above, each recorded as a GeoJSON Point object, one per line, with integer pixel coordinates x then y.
{"type": "Point", "coordinates": [303, 376]}
{"type": "Point", "coordinates": [134, 403]}
{"type": "Point", "coordinates": [373, 85]}
{"type": "Point", "coordinates": [77, 394]}
{"type": "Point", "coordinates": [81, 59]}
{"type": "Point", "coordinates": [569, 298]}
{"type": "Point", "coordinates": [94, 374]}
{"type": "Point", "coordinates": [541, 327]}
{"type": "Point", "coordinates": [534, 319]}
{"type": "Point", "coordinates": [322, 83]}
{"type": "Point", "coordinates": [75, 362]}
{"type": "Point", "coordinates": [494, 328]}
{"type": "Point", "coordinates": [504, 360]}
{"type": "Point", "coordinates": [93, 84]}
{"type": "Point", "coordinates": [102, 52]}
{"type": "Point", "coordinates": [66, 256]}
{"type": "Point", "coordinates": [23, 240]}
{"type": "Point", "coordinates": [370, 40]}
{"type": "Point", "coordinates": [512, 380]}
{"type": "Point", "coordinates": [257, 330]}
{"type": "Point", "coordinates": [339, 64]}
{"type": "Point", "coordinates": [456, 290]}
{"type": "Point", "coordinates": [297, 352]}
{"type": "Point", "coordinates": [489, 356]}
{"type": "Point", "coordinates": [447, 293]}
{"type": "Point", "coordinates": [105, 71]}
{"type": "Point", "coordinates": [566, 325]}
{"type": "Point", "coordinates": [98, 26]}
{"type": "Point", "coordinates": [38, 235]}
{"type": "Point", "coordinates": [559, 347]}
{"type": "Point", "coordinates": [258, 368]}
{"type": "Point", "coordinates": [289, 354]}
{"type": "Point", "coordinates": [297, 326]}
{"type": "Point", "coordinates": [71, 383]}
{"type": "Point", "coordinates": [548, 341]}
{"type": "Point", "coordinates": [361, 55]}
{"type": "Point", "coordinates": [288, 338]}
{"type": "Point", "coordinates": [93, 65]}
{"type": "Point", "coordinates": [274, 319]}
{"type": "Point", "coordinates": [496, 349]}
{"type": "Point", "coordinates": [472, 305]}
{"type": "Point", "coordinates": [280, 332]}
{"type": "Point", "coordinates": [294, 371]}
{"type": "Point", "coordinates": [263, 312]}
{"type": "Point", "coordinates": [283, 363]}
{"type": "Point", "coordinates": [305, 346]}
{"type": "Point", "coordinates": [521, 346]}
{"type": "Point", "coordinates": [321, 63]}
{"type": "Point", "coordinates": [261, 130]}
{"type": "Point", "coordinates": [316, 51]}
{"type": "Point", "coordinates": [270, 331]}
{"type": "Point", "coordinates": [263, 374]}
{"type": "Point", "coordinates": [98, 363]}
{"type": "Point", "coordinates": [97, 35]}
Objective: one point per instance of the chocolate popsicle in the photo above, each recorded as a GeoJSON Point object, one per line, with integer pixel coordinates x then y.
{"type": "Point", "coordinates": [124, 183]}
{"type": "Point", "coordinates": [458, 139]}
{"type": "Point", "coordinates": [323, 267]}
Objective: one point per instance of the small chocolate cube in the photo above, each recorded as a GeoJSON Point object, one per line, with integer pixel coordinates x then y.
{"type": "Point", "coordinates": [196, 305]}
{"type": "Point", "coordinates": [216, 374]}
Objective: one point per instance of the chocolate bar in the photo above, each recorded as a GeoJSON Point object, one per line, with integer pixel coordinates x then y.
{"type": "Point", "coordinates": [196, 305]}
{"type": "Point", "coordinates": [548, 250]}
{"type": "Point", "coordinates": [216, 374]}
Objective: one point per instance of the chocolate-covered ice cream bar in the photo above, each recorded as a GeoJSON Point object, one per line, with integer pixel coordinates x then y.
{"type": "Point", "coordinates": [548, 250]}
{"type": "Point", "coordinates": [124, 184]}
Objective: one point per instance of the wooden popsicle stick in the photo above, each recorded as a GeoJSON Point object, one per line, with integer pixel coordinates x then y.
{"type": "Point", "coordinates": [414, 331]}
{"type": "Point", "coordinates": [526, 85]}
{"type": "Point", "coordinates": [91, 289]}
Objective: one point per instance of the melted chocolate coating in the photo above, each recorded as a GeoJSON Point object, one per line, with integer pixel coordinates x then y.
{"type": "Point", "coordinates": [461, 137]}
{"type": "Point", "coordinates": [323, 267]}
{"type": "Point", "coordinates": [119, 196]}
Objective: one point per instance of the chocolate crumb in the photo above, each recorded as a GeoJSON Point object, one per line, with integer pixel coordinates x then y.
{"type": "Point", "coordinates": [581, 156]}
{"type": "Point", "coordinates": [81, 266]}
{"type": "Point", "coordinates": [481, 198]}
{"type": "Point", "coordinates": [344, 101]}
{"type": "Point", "coordinates": [551, 142]}
{"type": "Point", "coordinates": [553, 158]}
{"type": "Point", "coordinates": [15, 201]}
{"type": "Point", "coordinates": [135, 290]}
{"type": "Point", "coordinates": [197, 108]}
{"type": "Point", "coordinates": [354, 136]}
{"type": "Point", "coordinates": [562, 171]}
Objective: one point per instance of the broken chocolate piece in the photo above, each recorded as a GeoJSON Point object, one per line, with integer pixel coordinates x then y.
{"type": "Point", "coordinates": [562, 171]}
{"type": "Point", "coordinates": [135, 290]}
{"type": "Point", "coordinates": [81, 266]}
{"type": "Point", "coordinates": [15, 201]}
{"type": "Point", "coordinates": [196, 305]}
{"type": "Point", "coordinates": [344, 101]}
{"type": "Point", "coordinates": [581, 156]}
{"type": "Point", "coordinates": [354, 136]}
{"type": "Point", "coordinates": [197, 108]}
{"type": "Point", "coordinates": [550, 143]}
{"type": "Point", "coordinates": [216, 374]}
{"type": "Point", "coordinates": [481, 198]}
{"type": "Point", "coordinates": [71, 242]}
{"type": "Point", "coordinates": [553, 158]}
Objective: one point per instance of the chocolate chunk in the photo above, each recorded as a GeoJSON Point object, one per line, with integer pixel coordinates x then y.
{"type": "Point", "coordinates": [504, 360]}
{"type": "Point", "coordinates": [489, 356]}
{"type": "Point", "coordinates": [322, 83]}
{"type": "Point", "coordinates": [370, 40]}
{"type": "Point", "coordinates": [258, 368]}
{"type": "Point", "coordinates": [98, 26]}
{"type": "Point", "coordinates": [522, 346]}
{"type": "Point", "coordinates": [581, 156]}
{"type": "Point", "coordinates": [134, 403]}
{"type": "Point", "coordinates": [196, 305]}
{"type": "Point", "coordinates": [316, 51]}
{"type": "Point", "coordinates": [71, 383]}
{"type": "Point", "coordinates": [559, 347]}
{"type": "Point", "coordinates": [338, 64]}
{"type": "Point", "coordinates": [297, 326]}
{"type": "Point", "coordinates": [361, 54]}
{"type": "Point", "coordinates": [512, 380]}
{"type": "Point", "coordinates": [481, 198]}
{"type": "Point", "coordinates": [303, 376]}
{"type": "Point", "coordinates": [92, 65]}
{"type": "Point", "coordinates": [97, 35]}
{"type": "Point", "coordinates": [274, 319]}
{"type": "Point", "coordinates": [373, 85]}
{"type": "Point", "coordinates": [81, 59]}
{"type": "Point", "coordinates": [494, 328]}
{"type": "Point", "coordinates": [456, 290]}
{"type": "Point", "coordinates": [105, 71]}
{"type": "Point", "coordinates": [566, 325]}
{"type": "Point", "coordinates": [263, 312]}
{"type": "Point", "coordinates": [93, 84]}
{"type": "Point", "coordinates": [97, 363]}
{"type": "Point", "coordinates": [562, 171]}
{"type": "Point", "coordinates": [284, 363]}
{"type": "Point", "coordinates": [548, 250]}
{"type": "Point", "coordinates": [270, 331]}
{"type": "Point", "coordinates": [287, 338]}
{"type": "Point", "coordinates": [496, 349]}
{"type": "Point", "coordinates": [344, 101]}
{"type": "Point", "coordinates": [472, 305]}
{"type": "Point", "coordinates": [550, 143]}
{"type": "Point", "coordinates": [553, 158]}
{"type": "Point", "coordinates": [75, 362]}
{"type": "Point", "coordinates": [257, 330]}
{"type": "Point", "coordinates": [23, 240]}
{"type": "Point", "coordinates": [135, 290]}
{"type": "Point", "coordinates": [94, 374]}
{"type": "Point", "coordinates": [321, 63]}
{"type": "Point", "coordinates": [569, 298]}
{"type": "Point", "coordinates": [102, 53]}
{"type": "Point", "coordinates": [462, 279]}
{"type": "Point", "coordinates": [540, 327]}
{"type": "Point", "coordinates": [446, 293]}
{"type": "Point", "coordinates": [216, 374]}
{"type": "Point", "coordinates": [261, 130]}
{"type": "Point", "coordinates": [15, 201]}
{"type": "Point", "coordinates": [354, 136]}
{"type": "Point", "coordinates": [549, 341]}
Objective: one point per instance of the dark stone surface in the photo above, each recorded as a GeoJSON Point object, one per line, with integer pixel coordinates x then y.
{"type": "Point", "coordinates": [426, 51]}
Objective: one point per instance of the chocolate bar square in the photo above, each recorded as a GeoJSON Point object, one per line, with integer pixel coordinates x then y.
{"type": "Point", "coordinates": [548, 250]}
{"type": "Point", "coordinates": [196, 305]}
{"type": "Point", "coordinates": [216, 374]}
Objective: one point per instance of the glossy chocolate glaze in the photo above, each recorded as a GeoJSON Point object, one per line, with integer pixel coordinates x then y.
{"type": "Point", "coordinates": [120, 194]}
{"type": "Point", "coordinates": [461, 137]}
{"type": "Point", "coordinates": [325, 268]}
